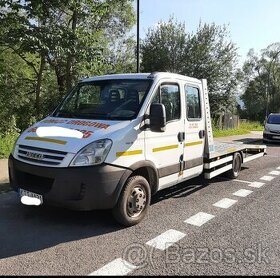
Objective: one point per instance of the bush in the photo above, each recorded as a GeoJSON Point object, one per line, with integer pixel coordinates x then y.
{"type": "Point", "coordinates": [6, 144]}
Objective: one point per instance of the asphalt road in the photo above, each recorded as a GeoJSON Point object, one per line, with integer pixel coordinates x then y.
{"type": "Point", "coordinates": [243, 239]}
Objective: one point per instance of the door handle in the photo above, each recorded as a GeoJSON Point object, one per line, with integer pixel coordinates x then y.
{"type": "Point", "coordinates": [201, 134]}
{"type": "Point", "coordinates": [181, 137]}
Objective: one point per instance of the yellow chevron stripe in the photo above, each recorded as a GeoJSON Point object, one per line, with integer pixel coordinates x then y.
{"type": "Point", "coordinates": [118, 154]}
{"type": "Point", "coordinates": [193, 143]}
{"type": "Point", "coordinates": [165, 148]}
{"type": "Point", "coordinates": [43, 139]}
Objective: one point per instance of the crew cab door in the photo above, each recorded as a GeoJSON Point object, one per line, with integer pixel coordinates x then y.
{"type": "Point", "coordinates": [165, 149]}
{"type": "Point", "coordinates": [194, 131]}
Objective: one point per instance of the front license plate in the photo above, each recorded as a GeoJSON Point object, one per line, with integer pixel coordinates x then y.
{"type": "Point", "coordinates": [23, 193]}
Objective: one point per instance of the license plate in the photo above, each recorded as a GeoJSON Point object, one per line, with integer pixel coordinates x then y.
{"type": "Point", "coordinates": [276, 137]}
{"type": "Point", "coordinates": [26, 193]}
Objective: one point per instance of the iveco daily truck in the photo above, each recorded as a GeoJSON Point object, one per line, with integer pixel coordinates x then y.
{"type": "Point", "coordinates": [116, 140]}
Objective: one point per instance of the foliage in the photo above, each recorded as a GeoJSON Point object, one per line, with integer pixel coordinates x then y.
{"type": "Point", "coordinates": [261, 83]}
{"type": "Point", "coordinates": [6, 144]}
{"type": "Point", "coordinates": [46, 46]}
{"type": "Point", "coordinates": [208, 54]}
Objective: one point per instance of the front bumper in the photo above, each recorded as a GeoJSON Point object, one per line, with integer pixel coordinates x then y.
{"type": "Point", "coordinates": [79, 188]}
{"type": "Point", "coordinates": [271, 137]}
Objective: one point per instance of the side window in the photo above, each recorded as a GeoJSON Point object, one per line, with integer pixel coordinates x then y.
{"type": "Point", "coordinates": [193, 102]}
{"type": "Point", "coordinates": [169, 95]}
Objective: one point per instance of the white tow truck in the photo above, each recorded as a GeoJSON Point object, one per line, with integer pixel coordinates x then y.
{"type": "Point", "coordinates": [116, 140]}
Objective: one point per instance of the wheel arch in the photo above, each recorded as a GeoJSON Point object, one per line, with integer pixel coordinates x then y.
{"type": "Point", "coordinates": [146, 169]}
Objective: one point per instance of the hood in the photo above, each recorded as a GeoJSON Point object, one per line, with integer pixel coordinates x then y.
{"type": "Point", "coordinates": [69, 135]}
{"type": "Point", "coordinates": [273, 127]}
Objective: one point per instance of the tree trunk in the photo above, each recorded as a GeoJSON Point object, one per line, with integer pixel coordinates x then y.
{"type": "Point", "coordinates": [71, 56]}
{"type": "Point", "coordinates": [39, 84]}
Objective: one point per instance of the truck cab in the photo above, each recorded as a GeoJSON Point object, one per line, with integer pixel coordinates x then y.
{"type": "Point", "coordinates": [115, 141]}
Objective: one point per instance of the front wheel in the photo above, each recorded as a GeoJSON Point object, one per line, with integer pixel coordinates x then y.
{"type": "Point", "coordinates": [133, 202]}
{"type": "Point", "coordinates": [236, 166]}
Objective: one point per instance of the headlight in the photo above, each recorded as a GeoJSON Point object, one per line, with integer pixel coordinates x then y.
{"type": "Point", "coordinates": [14, 147]}
{"type": "Point", "coordinates": [93, 154]}
{"type": "Point", "coordinates": [266, 129]}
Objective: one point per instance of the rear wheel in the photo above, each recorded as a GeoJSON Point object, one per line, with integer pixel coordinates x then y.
{"type": "Point", "coordinates": [133, 202]}
{"type": "Point", "coordinates": [236, 166]}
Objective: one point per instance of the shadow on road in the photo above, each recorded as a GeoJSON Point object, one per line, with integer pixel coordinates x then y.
{"type": "Point", "coordinates": [26, 229]}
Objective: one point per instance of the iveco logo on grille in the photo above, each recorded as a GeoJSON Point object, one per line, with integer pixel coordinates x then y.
{"type": "Point", "coordinates": [36, 156]}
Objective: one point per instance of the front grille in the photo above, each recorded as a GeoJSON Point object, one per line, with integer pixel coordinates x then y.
{"type": "Point", "coordinates": [40, 155]}
{"type": "Point", "coordinates": [275, 131]}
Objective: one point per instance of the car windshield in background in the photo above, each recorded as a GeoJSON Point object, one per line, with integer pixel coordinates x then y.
{"type": "Point", "coordinates": [274, 119]}
{"type": "Point", "coordinates": [105, 99]}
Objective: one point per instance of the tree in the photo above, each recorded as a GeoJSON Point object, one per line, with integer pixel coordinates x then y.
{"type": "Point", "coordinates": [208, 54]}
{"type": "Point", "coordinates": [60, 41]}
{"type": "Point", "coordinates": [261, 83]}
{"type": "Point", "coordinates": [163, 49]}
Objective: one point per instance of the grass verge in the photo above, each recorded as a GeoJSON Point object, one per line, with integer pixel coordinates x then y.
{"type": "Point", "coordinates": [244, 128]}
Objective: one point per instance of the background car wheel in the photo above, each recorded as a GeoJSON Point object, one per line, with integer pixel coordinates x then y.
{"type": "Point", "coordinates": [133, 202]}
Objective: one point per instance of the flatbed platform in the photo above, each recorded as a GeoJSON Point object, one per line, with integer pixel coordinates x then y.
{"type": "Point", "coordinates": [219, 149]}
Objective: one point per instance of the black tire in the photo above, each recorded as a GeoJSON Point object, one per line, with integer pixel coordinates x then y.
{"type": "Point", "coordinates": [133, 202]}
{"type": "Point", "coordinates": [236, 166]}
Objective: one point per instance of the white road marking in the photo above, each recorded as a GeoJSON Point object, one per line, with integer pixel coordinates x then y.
{"type": "Point", "coordinates": [278, 168]}
{"type": "Point", "coordinates": [116, 267]}
{"type": "Point", "coordinates": [199, 219]}
{"type": "Point", "coordinates": [276, 173]}
{"type": "Point", "coordinates": [256, 184]}
{"type": "Point", "coordinates": [241, 181]}
{"type": "Point", "coordinates": [242, 193]}
{"type": "Point", "coordinates": [267, 178]}
{"type": "Point", "coordinates": [226, 179]}
{"type": "Point", "coordinates": [225, 203]}
{"type": "Point", "coordinates": [166, 239]}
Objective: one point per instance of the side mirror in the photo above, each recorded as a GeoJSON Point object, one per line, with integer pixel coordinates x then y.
{"type": "Point", "coordinates": [157, 117]}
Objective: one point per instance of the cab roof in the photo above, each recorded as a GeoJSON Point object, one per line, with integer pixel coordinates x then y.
{"type": "Point", "coordinates": [154, 75]}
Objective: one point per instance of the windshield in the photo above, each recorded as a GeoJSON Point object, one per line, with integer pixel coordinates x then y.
{"type": "Point", "coordinates": [274, 119]}
{"type": "Point", "coordinates": [105, 99]}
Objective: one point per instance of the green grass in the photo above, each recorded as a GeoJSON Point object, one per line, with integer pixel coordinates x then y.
{"type": "Point", "coordinates": [244, 128]}
{"type": "Point", "coordinates": [6, 144]}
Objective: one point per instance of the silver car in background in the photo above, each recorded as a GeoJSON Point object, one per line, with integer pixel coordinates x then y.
{"type": "Point", "coordinates": [272, 128]}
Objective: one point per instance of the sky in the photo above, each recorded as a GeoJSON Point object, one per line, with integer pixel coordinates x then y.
{"type": "Point", "coordinates": [251, 23]}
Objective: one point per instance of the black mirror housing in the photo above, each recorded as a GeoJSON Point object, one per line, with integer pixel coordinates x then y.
{"type": "Point", "coordinates": [157, 117]}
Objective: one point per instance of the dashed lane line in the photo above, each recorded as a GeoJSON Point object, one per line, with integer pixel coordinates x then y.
{"type": "Point", "coordinates": [225, 203]}
{"type": "Point", "coordinates": [117, 267]}
{"type": "Point", "coordinates": [276, 173]}
{"type": "Point", "coordinates": [166, 239]}
{"type": "Point", "coordinates": [242, 193]}
{"type": "Point", "coordinates": [267, 178]}
{"type": "Point", "coordinates": [199, 219]}
{"type": "Point", "coordinates": [256, 184]}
